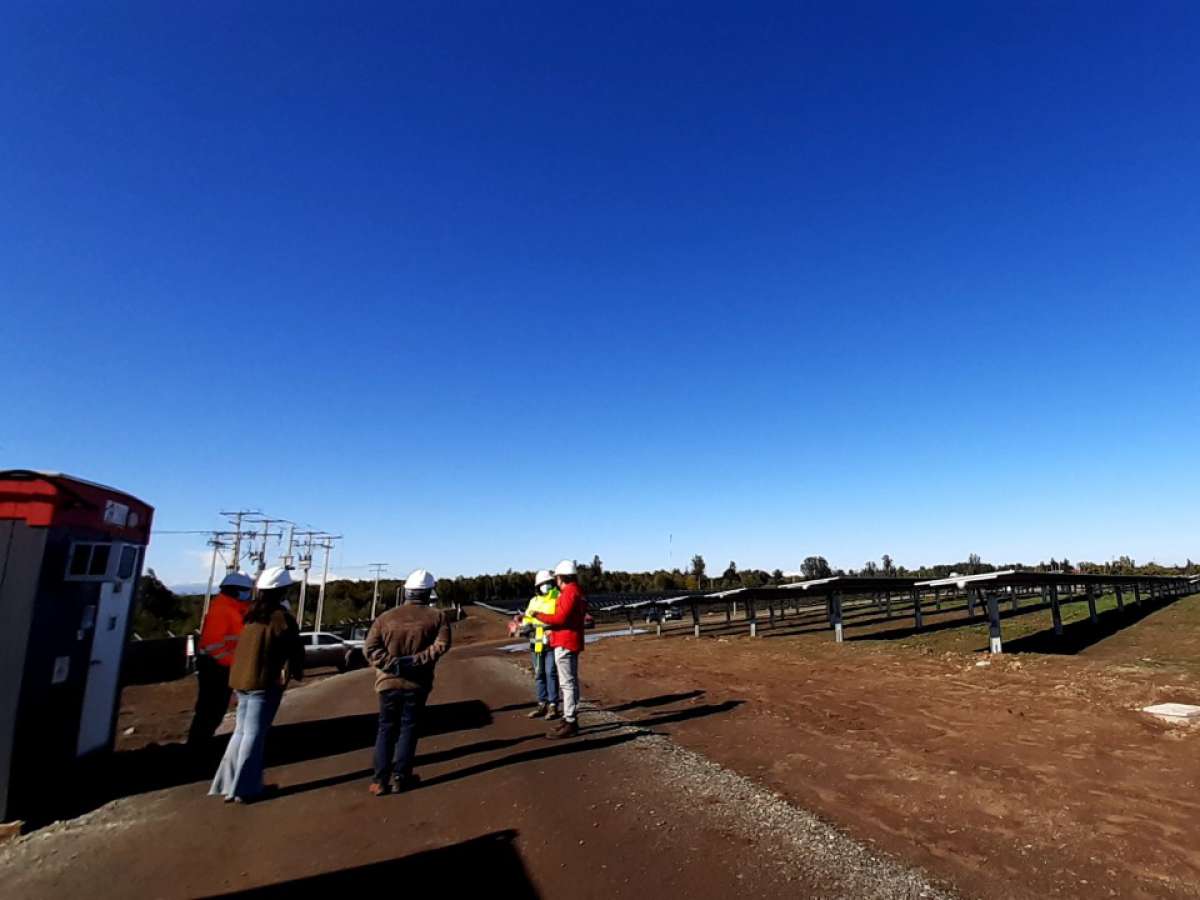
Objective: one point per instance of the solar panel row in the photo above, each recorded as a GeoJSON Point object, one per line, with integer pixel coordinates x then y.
{"type": "Point", "coordinates": [908, 595]}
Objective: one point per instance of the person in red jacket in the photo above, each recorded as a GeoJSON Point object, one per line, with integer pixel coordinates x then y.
{"type": "Point", "coordinates": [566, 637]}
{"type": "Point", "coordinates": [218, 640]}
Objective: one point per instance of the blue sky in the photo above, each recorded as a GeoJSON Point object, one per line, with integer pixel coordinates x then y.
{"type": "Point", "coordinates": [487, 285]}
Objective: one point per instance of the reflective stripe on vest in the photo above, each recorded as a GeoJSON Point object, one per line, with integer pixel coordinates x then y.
{"type": "Point", "coordinates": [225, 648]}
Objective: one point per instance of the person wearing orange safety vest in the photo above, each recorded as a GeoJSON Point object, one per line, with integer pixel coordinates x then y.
{"type": "Point", "coordinates": [214, 657]}
{"type": "Point", "coordinates": [545, 674]}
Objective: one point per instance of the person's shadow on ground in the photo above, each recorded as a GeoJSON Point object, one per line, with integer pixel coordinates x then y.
{"type": "Point", "coordinates": [160, 766]}
{"type": "Point", "coordinates": [589, 739]}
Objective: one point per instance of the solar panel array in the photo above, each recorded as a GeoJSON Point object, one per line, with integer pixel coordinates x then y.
{"type": "Point", "coordinates": [830, 598]}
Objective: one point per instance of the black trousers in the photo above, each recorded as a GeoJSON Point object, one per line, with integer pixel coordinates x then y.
{"type": "Point", "coordinates": [396, 743]}
{"type": "Point", "coordinates": [212, 700]}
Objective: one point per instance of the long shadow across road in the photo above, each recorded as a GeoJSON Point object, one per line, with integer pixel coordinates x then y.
{"type": "Point", "coordinates": [476, 867]}
{"type": "Point", "coordinates": [157, 767]}
{"type": "Point", "coordinates": [585, 743]}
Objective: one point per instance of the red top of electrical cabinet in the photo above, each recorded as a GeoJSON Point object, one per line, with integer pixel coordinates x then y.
{"type": "Point", "coordinates": [42, 499]}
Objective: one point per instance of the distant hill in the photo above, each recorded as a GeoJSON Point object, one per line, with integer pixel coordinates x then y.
{"type": "Point", "coordinates": [184, 590]}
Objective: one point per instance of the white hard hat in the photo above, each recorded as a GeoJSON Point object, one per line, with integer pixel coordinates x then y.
{"type": "Point", "coordinates": [274, 577]}
{"type": "Point", "coordinates": [566, 567]}
{"type": "Point", "coordinates": [419, 580]}
{"type": "Point", "coordinates": [237, 580]}
{"type": "Point", "coordinates": [542, 577]}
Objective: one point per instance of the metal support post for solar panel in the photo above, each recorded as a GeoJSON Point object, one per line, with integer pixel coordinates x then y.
{"type": "Point", "coordinates": [917, 618]}
{"type": "Point", "coordinates": [1091, 600]}
{"type": "Point", "coordinates": [695, 620]}
{"type": "Point", "coordinates": [728, 616]}
{"type": "Point", "coordinates": [1137, 593]}
{"type": "Point", "coordinates": [1055, 612]}
{"type": "Point", "coordinates": [993, 608]}
{"type": "Point", "coordinates": [771, 613]}
{"type": "Point", "coordinates": [972, 599]}
{"type": "Point", "coordinates": [937, 599]}
{"type": "Point", "coordinates": [752, 616]}
{"type": "Point", "coordinates": [1016, 604]}
{"type": "Point", "coordinates": [1120, 597]}
{"type": "Point", "coordinates": [835, 607]}
{"type": "Point", "coordinates": [888, 603]}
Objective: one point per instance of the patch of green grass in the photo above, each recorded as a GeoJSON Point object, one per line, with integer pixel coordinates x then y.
{"type": "Point", "coordinates": [973, 635]}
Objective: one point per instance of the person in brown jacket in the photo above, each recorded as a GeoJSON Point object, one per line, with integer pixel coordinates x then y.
{"type": "Point", "coordinates": [404, 644]}
{"type": "Point", "coordinates": [268, 655]}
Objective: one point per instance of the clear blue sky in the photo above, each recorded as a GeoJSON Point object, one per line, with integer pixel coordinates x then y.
{"type": "Point", "coordinates": [487, 285]}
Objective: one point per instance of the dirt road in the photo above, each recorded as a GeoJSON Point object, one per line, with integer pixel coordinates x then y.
{"type": "Point", "coordinates": [621, 812]}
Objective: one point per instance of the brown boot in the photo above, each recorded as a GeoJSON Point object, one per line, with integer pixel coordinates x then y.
{"type": "Point", "coordinates": [564, 730]}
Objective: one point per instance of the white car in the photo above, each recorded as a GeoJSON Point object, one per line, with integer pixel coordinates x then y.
{"type": "Point", "coordinates": [323, 648]}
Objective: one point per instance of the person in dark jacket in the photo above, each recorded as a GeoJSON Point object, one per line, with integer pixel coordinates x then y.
{"type": "Point", "coordinates": [269, 654]}
{"type": "Point", "coordinates": [404, 644]}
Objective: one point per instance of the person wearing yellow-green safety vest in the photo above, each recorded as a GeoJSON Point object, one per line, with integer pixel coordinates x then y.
{"type": "Point", "coordinates": [545, 675]}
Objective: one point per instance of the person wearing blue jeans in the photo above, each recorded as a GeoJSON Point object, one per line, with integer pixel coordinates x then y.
{"type": "Point", "coordinates": [404, 645]}
{"type": "Point", "coordinates": [269, 654]}
{"type": "Point", "coordinates": [396, 743]}
{"type": "Point", "coordinates": [545, 683]}
{"type": "Point", "coordinates": [240, 775]}
{"type": "Point", "coordinates": [545, 674]}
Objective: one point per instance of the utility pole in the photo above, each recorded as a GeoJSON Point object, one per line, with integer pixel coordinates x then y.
{"type": "Point", "coordinates": [217, 543]}
{"type": "Point", "coordinates": [218, 540]}
{"type": "Point", "coordinates": [235, 518]}
{"type": "Point", "coordinates": [305, 564]}
{"type": "Point", "coordinates": [266, 533]}
{"type": "Point", "coordinates": [287, 557]}
{"type": "Point", "coordinates": [378, 568]}
{"type": "Point", "coordinates": [327, 545]}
